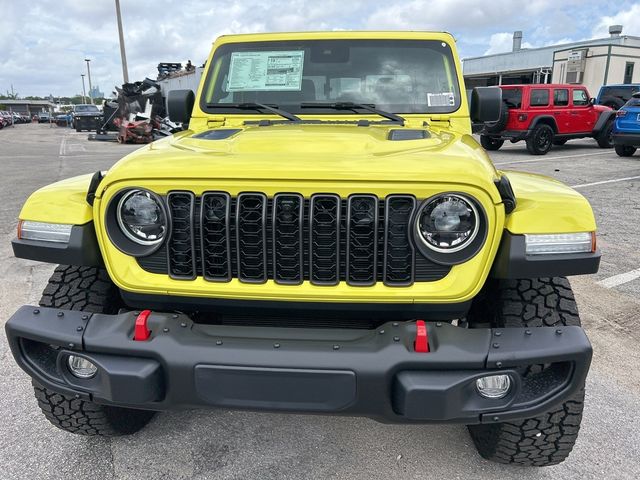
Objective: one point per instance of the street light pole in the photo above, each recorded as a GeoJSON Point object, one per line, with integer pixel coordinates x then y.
{"type": "Point", "coordinates": [125, 72]}
{"type": "Point", "coordinates": [84, 93]}
{"type": "Point", "coordinates": [89, 75]}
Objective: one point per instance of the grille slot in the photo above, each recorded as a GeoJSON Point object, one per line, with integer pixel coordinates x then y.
{"type": "Point", "coordinates": [399, 256]}
{"type": "Point", "coordinates": [288, 217]}
{"type": "Point", "coordinates": [362, 239]}
{"type": "Point", "coordinates": [181, 256]}
{"type": "Point", "coordinates": [251, 237]}
{"type": "Point", "coordinates": [215, 236]}
{"type": "Point", "coordinates": [324, 240]}
{"type": "Point", "coordinates": [289, 239]}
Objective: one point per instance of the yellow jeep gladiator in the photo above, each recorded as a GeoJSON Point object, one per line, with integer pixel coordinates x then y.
{"type": "Point", "coordinates": [324, 236]}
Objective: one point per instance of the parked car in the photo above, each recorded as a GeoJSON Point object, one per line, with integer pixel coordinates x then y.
{"type": "Point", "coordinates": [86, 117]}
{"type": "Point", "coordinates": [545, 114]}
{"type": "Point", "coordinates": [615, 96]}
{"type": "Point", "coordinates": [626, 129]}
{"type": "Point", "coordinates": [306, 251]}
{"type": "Point", "coordinates": [62, 119]}
{"type": "Point", "coordinates": [44, 117]}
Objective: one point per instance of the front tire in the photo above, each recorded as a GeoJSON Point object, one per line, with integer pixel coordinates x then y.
{"type": "Point", "coordinates": [540, 140]}
{"type": "Point", "coordinates": [625, 150]}
{"type": "Point", "coordinates": [489, 143]}
{"type": "Point", "coordinates": [91, 290]}
{"type": "Point", "coordinates": [549, 438]}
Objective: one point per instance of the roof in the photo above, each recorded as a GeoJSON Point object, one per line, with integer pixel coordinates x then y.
{"type": "Point", "coordinates": [337, 35]}
{"type": "Point", "coordinates": [544, 85]}
{"type": "Point", "coordinates": [46, 103]}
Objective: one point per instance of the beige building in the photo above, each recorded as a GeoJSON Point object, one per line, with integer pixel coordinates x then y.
{"type": "Point", "coordinates": [593, 63]}
{"type": "Point", "coordinates": [597, 65]}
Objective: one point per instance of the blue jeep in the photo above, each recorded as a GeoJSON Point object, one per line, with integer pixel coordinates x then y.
{"type": "Point", "coordinates": [615, 96]}
{"type": "Point", "coordinates": [626, 129]}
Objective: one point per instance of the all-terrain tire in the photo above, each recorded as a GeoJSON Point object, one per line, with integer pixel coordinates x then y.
{"type": "Point", "coordinates": [540, 140]}
{"type": "Point", "coordinates": [625, 150]}
{"type": "Point", "coordinates": [88, 289]}
{"type": "Point", "coordinates": [604, 138]}
{"type": "Point", "coordinates": [549, 438]}
{"type": "Point", "coordinates": [489, 143]}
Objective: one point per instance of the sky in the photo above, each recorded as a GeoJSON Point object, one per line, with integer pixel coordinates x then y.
{"type": "Point", "coordinates": [43, 43]}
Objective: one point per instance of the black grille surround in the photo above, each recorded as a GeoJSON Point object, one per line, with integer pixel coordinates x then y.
{"type": "Point", "coordinates": [324, 239]}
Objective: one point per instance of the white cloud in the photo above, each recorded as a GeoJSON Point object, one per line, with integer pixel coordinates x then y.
{"type": "Point", "coordinates": [627, 18]}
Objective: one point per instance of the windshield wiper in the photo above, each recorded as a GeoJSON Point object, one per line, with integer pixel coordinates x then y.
{"type": "Point", "coordinates": [257, 106]}
{"type": "Point", "coordinates": [355, 107]}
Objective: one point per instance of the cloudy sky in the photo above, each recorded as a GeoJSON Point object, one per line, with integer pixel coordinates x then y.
{"type": "Point", "coordinates": [43, 43]}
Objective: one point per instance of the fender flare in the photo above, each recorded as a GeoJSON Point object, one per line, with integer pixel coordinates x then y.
{"type": "Point", "coordinates": [546, 118]}
{"type": "Point", "coordinates": [602, 121]}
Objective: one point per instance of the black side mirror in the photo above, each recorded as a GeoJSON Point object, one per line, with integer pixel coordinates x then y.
{"type": "Point", "coordinates": [179, 105]}
{"type": "Point", "coordinates": [592, 101]}
{"type": "Point", "coordinates": [485, 105]}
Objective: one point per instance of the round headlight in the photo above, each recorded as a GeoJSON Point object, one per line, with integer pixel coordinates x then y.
{"type": "Point", "coordinates": [448, 223]}
{"type": "Point", "coordinates": [141, 217]}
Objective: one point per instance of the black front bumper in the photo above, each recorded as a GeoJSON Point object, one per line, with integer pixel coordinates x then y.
{"type": "Point", "coordinates": [626, 139]}
{"type": "Point", "coordinates": [375, 373]}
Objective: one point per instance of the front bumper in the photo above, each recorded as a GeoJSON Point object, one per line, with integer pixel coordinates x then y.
{"type": "Point", "coordinates": [626, 139]}
{"type": "Point", "coordinates": [375, 373]}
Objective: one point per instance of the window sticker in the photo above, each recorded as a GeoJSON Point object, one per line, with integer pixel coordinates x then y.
{"type": "Point", "coordinates": [255, 71]}
{"type": "Point", "coordinates": [446, 99]}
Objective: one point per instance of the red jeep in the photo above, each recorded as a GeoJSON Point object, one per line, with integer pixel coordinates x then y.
{"type": "Point", "coordinates": [546, 114]}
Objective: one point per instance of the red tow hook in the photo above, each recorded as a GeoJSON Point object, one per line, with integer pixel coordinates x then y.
{"type": "Point", "coordinates": [422, 339]}
{"type": "Point", "coordinates": [142, 332]}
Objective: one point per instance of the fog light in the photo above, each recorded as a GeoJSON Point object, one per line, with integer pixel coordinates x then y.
{"type": "Point", "coordinates": [81, 367]}
{"type": "Point", "coordinates": [493, 386]}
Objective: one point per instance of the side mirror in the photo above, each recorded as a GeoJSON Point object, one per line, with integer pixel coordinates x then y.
{"type": "Point", "coordinates": [486, 103]}
{"type": "Point", "coordinates": [179, 105]}
{"type": "Point", "coordinates": [592, 101]}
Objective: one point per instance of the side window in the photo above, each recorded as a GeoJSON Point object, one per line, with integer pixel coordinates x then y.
{"type": "Point", "coordinates": [580, 98]}
{"type": "Point", "coordinates": [539, 98]}
{"type": "Point", "coordinates": [561, 97]}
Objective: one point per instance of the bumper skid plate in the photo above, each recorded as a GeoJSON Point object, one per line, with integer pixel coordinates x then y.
{"type": "Point", "coordinates": [375, 373]}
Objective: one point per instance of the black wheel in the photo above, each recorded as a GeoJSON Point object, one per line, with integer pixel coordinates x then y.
{"type": "Point", "coordinates": [625, 150]}
{"type": "Point", "coordinates": [549, 438]}
{"type": "Point", "coordinates": [604, 138]}
{"type": "Point", "coordinates": [489, 143]}
{"type": "Point", "coordinates": [499, 125]}
{"type": "Point", "coordinates": [89, 289]}
{"type": "Point", "coordinates": [540, 140]}
{"type": "Point", "coordinates": [560, 141]}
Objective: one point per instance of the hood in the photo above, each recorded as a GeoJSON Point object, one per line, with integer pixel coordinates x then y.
{"type": "Point", "coordinates": [322, 152]}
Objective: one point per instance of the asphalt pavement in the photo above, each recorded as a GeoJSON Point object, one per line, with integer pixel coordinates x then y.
{"type": "Point", "coordinates": [226, 444]}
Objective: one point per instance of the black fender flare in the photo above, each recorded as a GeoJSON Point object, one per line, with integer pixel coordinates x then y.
{"type": "Point", "coordinates": [82, 249]}
{"type": "Point", "coordinates": [544, 119]}
{"type": "Point", "coordinates": [603, 119]}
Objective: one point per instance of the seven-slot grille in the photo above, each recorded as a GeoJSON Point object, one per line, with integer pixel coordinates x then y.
{"type": "Point", "coordinates": [290, 239]}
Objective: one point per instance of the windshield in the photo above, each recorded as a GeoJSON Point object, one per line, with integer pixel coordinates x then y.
{"type": "Point", "coordinates": [401, 76]}
{"type": "Point", "coordinates": [86, 108]}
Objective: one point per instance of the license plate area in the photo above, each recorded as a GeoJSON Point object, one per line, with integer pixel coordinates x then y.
{"type": "Point", "coordinates": [290, 389]}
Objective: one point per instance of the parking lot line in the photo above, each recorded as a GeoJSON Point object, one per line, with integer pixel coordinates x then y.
{"type": "Point", "coordinates": [620, 279]}
{"type": "Point", "coordinates": [603, 182]}
{"type": "Point", "coordinates": [540, 159]}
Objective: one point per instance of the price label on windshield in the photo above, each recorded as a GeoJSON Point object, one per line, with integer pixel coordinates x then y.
{"type": "Point", "coordinates": [264, 71]}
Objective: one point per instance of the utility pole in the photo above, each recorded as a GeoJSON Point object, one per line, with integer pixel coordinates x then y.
{"type": "Point", "coordinates": [84, 94]}
{"type": "Point", "coordinates": [125, 72]}
{"type": "Point", "coordinates": [89, 75]}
